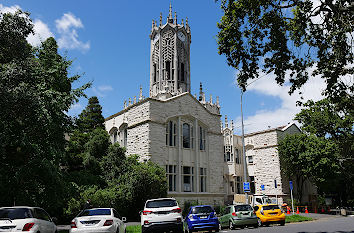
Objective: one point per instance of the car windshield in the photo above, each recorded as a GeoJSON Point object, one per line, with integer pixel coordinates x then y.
{"type": "Point", "coordinates": [161, 203]}
{"type": "Point", "coordinates": [202, 210]}
{"type": "Point", "coordinates": [271, 207]}
{"type": "Point", "coordinates": [15, 213]}
{"type": "Point", "coordinates": [243, 208]}
{"type": "Point", "coordinates": [95, 212]}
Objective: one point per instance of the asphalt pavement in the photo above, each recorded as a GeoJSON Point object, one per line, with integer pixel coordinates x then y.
{"type": "Point", "coordinates": [322, 224]}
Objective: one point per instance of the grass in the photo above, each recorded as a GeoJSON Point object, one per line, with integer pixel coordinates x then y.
{"type": "Point", "coordinates": [297, 218]}
{"type": "Point", "coordinates": [134, 229]}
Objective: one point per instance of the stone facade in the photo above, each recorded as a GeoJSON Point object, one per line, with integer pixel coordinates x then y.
{"type": "Point", "coordinates": [263, 165]}
{"type": "Point", "coordinates": [184, 134]}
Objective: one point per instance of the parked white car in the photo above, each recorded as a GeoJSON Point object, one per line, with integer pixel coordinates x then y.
{"type": "Point", "coordinates": [24, 218]}
{"type": "Point", "coordinates": [105, 220]}
{"type": "Point", "coordinates": [161, 214]}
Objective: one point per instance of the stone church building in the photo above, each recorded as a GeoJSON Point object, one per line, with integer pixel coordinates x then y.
{"type": "Point", "coordinates": [183, 133]}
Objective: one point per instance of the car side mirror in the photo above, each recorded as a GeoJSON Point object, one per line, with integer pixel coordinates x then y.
{"type": "Point", "coordinates": [124, 219]}
{"type": "Point", "coordinates": [55, 220]}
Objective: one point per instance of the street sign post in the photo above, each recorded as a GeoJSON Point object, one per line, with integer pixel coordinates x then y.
{"type": "Point", "coordinates": [246, 187]}
{"type": "Point", "coordinates": [291, 192]}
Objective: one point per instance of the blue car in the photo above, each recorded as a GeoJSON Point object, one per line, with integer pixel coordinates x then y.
{"type": "Point", "coordinates": [201, 218]}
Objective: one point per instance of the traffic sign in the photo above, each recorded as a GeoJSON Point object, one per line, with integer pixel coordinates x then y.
{"type": "Point", "coordinates": [262, 187]}
{"type": "Point", "coordinates": [291, 185]}
{"type": "Point", "coordinates": [246, 187]}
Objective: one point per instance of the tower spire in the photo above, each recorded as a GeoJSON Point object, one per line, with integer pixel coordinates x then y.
{"type": "Point", "coordinates": [170, 19]}
{"type": "Point", "coordinates": [161, 19]}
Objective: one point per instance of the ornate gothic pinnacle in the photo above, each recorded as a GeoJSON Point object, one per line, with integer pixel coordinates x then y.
{"type": "Point", "coordinates": [170, 12]}
{"type": "Point", "coordinates": [226, 122]}
{"type": "Point", "coordinates": [201, 92]}
{"type": "Point", "coordinates": [217, 101]}
{"type": "Point", "coordinates": [161, 19]}
{"type": "Point", "coordinates": [182, 23]}
{"type": "Point", "coordinates": [141, 94]}
{"type": "Point", "coordinates": [125, 104]}
{"type": "Point", "coordinates": [134, 101]}
{"type": "Point", "coordinates": [232, 125]}
{"type": "Point", "coordinates": [130, 101]}
{"type": "Point", "coordinates": [153, 25]}
{"type": "Point", "coordinates": [175, 18]}
{"type": "Point", "coordinates": [211, 99]}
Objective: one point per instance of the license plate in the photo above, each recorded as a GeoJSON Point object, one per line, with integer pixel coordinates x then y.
{"type": "Point", "coordinates": [203, 217]}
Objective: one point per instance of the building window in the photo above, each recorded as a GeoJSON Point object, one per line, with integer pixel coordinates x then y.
{"type": "Point", "coordinates": [171, 177]}
{"type": "Point", "coordinates": [203, 176]}
{"type": "Point", "coordinates": [114, 135]}
{"type": "Point", "coordinates": [250, 159]}
{"type": "Point", "coordinates": [125, 142]}
{"type": "Point", "coordinates": [171, 133]}
{"type": "Point", "coordinates": [154, 72]}
{"type": "Point", "coordinates": [182, 72]}
{"type": "Point", "coordinates": [232, 186]}
{"type": "Point", "coordinates": [186, 136]}
{"type": "Point", "coordinates": [201, 138]}
{"type": "Point", "coordinates": [168, 70]}
{"type": "Point", "coordinates": [237, 156]}
{"type": "Point", "coordinates": [228, 155]}
{"type": "Point", "coordinates": [252, 184]}
{"type": "Point", "coordinates": [188, 183]}
{"type": "Point", "coordinates": [238, 184]}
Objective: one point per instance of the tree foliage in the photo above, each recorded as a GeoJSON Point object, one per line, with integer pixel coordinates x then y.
{"type": "Point", "coordinates": [292, 37]}
{"type": "Point", "coordinates": [35, 92]}
{"type": "Point", "coordinates": [91, 117]}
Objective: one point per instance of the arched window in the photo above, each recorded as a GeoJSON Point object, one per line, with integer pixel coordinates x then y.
{"type": "Point", "coordinates": [186, 135]}
{"type": "Point", "coordinates": [113, 133]}
{"type": "Point", "coordinates": [201, 138]}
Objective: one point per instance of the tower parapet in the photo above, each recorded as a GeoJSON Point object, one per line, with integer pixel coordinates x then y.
{"type": "Point", "coordinates": [169, 58]}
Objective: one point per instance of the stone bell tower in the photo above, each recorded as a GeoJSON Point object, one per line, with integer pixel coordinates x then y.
{"type": "Point", "coordinates": [170, 57]}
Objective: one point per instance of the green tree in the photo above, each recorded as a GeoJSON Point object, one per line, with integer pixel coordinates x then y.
{"type": "Point", "coordinates": [334, 123]}
{"type": "Point", "coordinates": [35, 93]}
{"type": "Point", "coordinates": [308, 157]}
{"type": "Point", "coordinates": [290, 36]}
{"type": "Point", "coordinates": [91, 117]}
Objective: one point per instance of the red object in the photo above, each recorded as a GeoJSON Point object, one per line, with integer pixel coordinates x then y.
{"type": "Point", "coordinates": [315, 210]}
{"type": "Point", "coordinates": [146, 222]}
{"type": "Point", "coordinates": [28, 226]}
{"type": "Point", "coordinates": [234, 214]}
{"type": "Point", "coordinates": [73, 225]}
{"type": "Point", "coordinates": [297, 210]}
{"type": "Point", "coordinates": [178, 210]}
{"type": "Point", "coordinates": [146, 212]}
{"type": "Point", "coordinates": [306, 211]}
{"type": "Point", "coordinates": [322, 210]}
{"type": "Point", "coordinates": [108, 222]}
{"type": "Point", "coordinates": [329, 209]}
{"type": "Point", "coordinates": [288, 211]}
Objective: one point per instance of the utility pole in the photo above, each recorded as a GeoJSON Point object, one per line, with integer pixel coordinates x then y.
{"type": "Point", "coordinates": [243, 151]}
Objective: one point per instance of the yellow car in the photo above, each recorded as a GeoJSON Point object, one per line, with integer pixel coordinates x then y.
{"type": "Point", "coordinates": [268, 214]}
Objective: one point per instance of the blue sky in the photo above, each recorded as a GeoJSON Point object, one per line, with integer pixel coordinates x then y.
{"type": "Point", "coordinates": [109, 43]}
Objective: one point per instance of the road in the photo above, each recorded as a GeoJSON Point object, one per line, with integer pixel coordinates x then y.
{"type": "Point", "coordinates": [322, 225]}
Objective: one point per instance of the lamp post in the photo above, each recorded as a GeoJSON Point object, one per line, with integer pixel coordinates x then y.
{"type": "Point", "coordinates": [243, 151]}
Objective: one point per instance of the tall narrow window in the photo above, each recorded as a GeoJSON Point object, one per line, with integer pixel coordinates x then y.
{"type": "Point", "coordinates": [228, 155]}
{"type": "Point", "coordinates": [186, 136]}
{"type": "Point", "coordinates": [125, 137]}
{"type": "Point", "coordinates": [203, 176]}
{"type": "Point", "coordinates": [188, 182]}
{"type": "Point", "coordinates": [168, 70]}
{"type": "Point", "coordinates": [182, 72]}
{"type": "Point", "coordinates": [171, 177]}
{"type": "Point", "coordinates": [232, 186]}
{"type": "Point", "coordinates": [201, 138]}
{"type": "Point", "coordinates": [237, 156]}
{"type": "Point", "coordinates": [171, 133]}
{"type": "Point", "coordinates": [154, 73]}
{"type": "Point", "coordinates": [252, 184]}
{"type": "Point", "coordinates": [238, 184]}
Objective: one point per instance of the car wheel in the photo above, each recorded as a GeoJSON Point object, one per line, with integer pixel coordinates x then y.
{"type": "Point", "coordinates": [255, 225]}
{"type": "Point", "coordinates": [242, 227]}
{"type": "Point", "coordinates": [259, 222]}
{"type": "Point", "coordinates": [282, 223]}
{"type": "Point", "coordinates": [231, 225]}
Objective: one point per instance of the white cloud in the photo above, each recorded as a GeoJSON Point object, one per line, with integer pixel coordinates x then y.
{"type": "Point", "coordinates": [41, 33]}
{"type": "Point", "coordinates": [69, 38]}
{"type": "Point", "coordinates": [286, 112]}
{"type": "Point", "coordinates": [41, 30]}
{"type": "Point", "coordinates": [75, 109]}
{"type": "Point", "coordinates": [10, 9]}
{"type": "Point", "coordinates": [101, 91]}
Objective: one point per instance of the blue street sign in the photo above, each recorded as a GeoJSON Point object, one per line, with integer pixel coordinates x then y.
{"type": "Point", "coordinates": [291, 185]}
{"type": "Point", "coordinates": [262, 187]}
{"type": "Point", "coordinates": [246, 186]}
